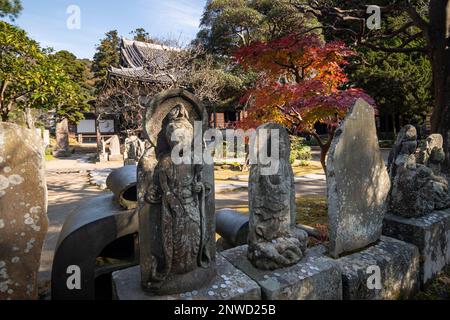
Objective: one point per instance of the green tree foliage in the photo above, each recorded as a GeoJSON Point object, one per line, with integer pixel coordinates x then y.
{"type": "Point", "coordinates": [229, 24]}
{"type": "Point", "coordinates": [400, 83]}
{"type": "Point", "coordinates": [33, 78]}
{"type": "Point", "coordinates": [10, 8]}
{"type": "Point", "coordinates": [79, 71]}
{"type": "Point", "coordinates": [140, 34]}
{"type": "Point", "coordinates": [107, 54]}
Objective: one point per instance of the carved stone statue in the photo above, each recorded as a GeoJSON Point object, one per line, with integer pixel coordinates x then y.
{"type": "Point", "coordinates": [418, 188]}
{"type": "Point", "coordinates": [274, 242]}
{"type": "Point", "coordinates": [134, 149]}
{"type": "Point", "coordinates": [176, 201]}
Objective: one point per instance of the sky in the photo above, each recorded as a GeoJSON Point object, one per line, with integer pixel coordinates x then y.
{"type": "Point", "coordinates": [46, 21]}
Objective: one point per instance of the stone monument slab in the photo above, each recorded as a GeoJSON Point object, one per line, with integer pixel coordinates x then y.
{"type": "Point", "coordinates": [23, 211]}
{"type": "Point", "coordinates": [62, 148]}
{"type": "Point", "coordinates": [358, 183]}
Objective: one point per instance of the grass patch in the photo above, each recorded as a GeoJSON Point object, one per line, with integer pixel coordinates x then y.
{"type": "Point", "coordinates": [225, 174]}
{"type": "Point", "coordinates": [313, 167]}
{"type": "Point", "coordinates": [439, 289]}
{"type": "Point", "coordinates": [312, 210]}
{"type": "Point", "coordinates": [49, 157]}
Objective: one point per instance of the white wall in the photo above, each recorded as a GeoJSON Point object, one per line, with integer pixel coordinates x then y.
{"type": "Point", "coordinates": [88, 126]}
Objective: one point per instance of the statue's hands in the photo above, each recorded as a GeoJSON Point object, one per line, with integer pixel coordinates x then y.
{"type": "Point", "coordinates": [174, 203]}
{"type": "Point", "coordinates": [198, 187]}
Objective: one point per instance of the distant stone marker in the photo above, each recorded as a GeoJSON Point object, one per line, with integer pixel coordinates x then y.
{"type": "Point", "coordinates": [358, 183]}
{"type": "Point", "coordinates": [23, 208]}
{"type": "Point", "coordinates": [114, 148]}
{"type": "Point", "coordinates": [62, 139]}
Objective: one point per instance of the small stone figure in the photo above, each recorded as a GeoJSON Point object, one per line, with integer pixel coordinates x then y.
{"type": "Point", "coordinates": [134, 149]}
{"type": "Point", "coordinates": [418, 188]}
{"type": "Point", "coordinates": [272, 243]}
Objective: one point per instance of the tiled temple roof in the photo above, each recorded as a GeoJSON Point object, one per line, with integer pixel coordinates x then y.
{"type": "Point", "coordinates": [143, 61]}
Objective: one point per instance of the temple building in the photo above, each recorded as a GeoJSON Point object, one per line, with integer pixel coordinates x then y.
{"type": "Point", "coordinates": [145, 70]}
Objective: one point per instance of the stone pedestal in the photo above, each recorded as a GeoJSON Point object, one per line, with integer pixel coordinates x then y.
{"type": "Point", "coordinates": [398, 266]}
{"type": "Point", "coordinates": [431, 234]}
{"type": "Point", "coordinates": [117, 157]}
{"type": "Point", "coordinates": [315, 277]}
{"type": "Point", "coordinates": [229, 284]}
{"type": "Point", "coordinates": [103, 157]}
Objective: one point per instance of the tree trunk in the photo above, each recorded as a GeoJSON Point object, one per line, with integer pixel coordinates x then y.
{"type": "Point", "coordinates": [324, 147]}
{"type": "Point", "coordinates": [5, 116]}
{"type": "Point", "coordinates": [440, 56]}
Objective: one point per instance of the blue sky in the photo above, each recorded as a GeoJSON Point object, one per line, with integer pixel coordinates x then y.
{"type": "Point", "coordinates": [46, 21]}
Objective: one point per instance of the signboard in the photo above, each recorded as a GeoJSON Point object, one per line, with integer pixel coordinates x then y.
{"type": "Point", "coordinates": [88, 126]}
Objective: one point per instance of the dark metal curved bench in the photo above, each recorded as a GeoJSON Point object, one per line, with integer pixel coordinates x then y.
{"type": "Point", "coordinates": [99, 238]}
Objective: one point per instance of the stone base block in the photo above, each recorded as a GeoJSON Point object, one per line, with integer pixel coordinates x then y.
{"type": "Point", "coordinates": [102, 157]}
{"type": "Point", "coordinates": [117, 157]}
{"type": "Point", "coordinates": [387, 270]}
{"type": "Point", "coordinates": [229, 284]}
{"type": "Point", "coordinates": [130, 162]}
{"type": "Point", "coordinates": [431, 234]}
{"type": "Point", "coordinates": [316, 277]}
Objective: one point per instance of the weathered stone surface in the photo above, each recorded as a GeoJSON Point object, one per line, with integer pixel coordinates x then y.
{"type": "Point", "coordinates": [418, 188]}
{"type": "Point", "coordinates": [175, 201]}
{"type": "Point", "coordinates": [134, 149]}
{"type": "Point", "coordinates": [23, 211]}
{"type": "Point", "coordinates": [229, 284]}
{"type": "Point", "coordinates": [271, 243]}
{"type": "Point", "coordinates": [62, 139]}
{"type": "Point", "coordinates": [358, 183]}
{"type": "Point", "coordinates": [114, 149]}
{"type": "Point", "coordinates": [432, 144]}
{"type": "Point", "coordinates": [398, 263]}
{"type": "Point", "coordinates": [46, 138]}
{"type": "Point", "coordinates": [316, 277]}
{"type": "Point", "coordinates": [430, 233]}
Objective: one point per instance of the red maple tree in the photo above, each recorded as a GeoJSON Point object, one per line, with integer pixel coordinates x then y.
{"type": "Point", "coordinates": [301, 83]}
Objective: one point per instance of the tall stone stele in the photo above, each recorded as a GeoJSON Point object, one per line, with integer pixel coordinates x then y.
{"type": "Point", "coordinates": [62, 148]}
{"type": "Point", "coordinates": [358, 183]}
{"type": "Point", "coordinates": [274, 242]}
{"type": "Point", "coordinates": [23, 211]}
{"type": "Point", "coordinates": [176, 201]}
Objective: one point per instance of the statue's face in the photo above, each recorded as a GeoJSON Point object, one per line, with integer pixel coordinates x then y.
{"type": "Point", "coordinates": [184, 136]}
{"type": "Point", "coordinates": [179, 131]}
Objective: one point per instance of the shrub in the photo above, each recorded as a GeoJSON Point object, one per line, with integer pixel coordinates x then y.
{"type": "Point", "coordinates": [300, 151]}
